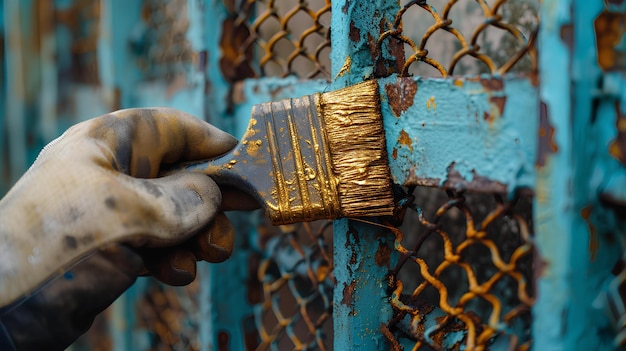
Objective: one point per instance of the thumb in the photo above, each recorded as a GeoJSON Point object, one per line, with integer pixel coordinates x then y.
{"type": "Point", "coordinates": [175, 207]}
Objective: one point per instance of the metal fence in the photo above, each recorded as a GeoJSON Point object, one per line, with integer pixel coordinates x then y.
{"type": "Point", "coordinates": [508, 225]}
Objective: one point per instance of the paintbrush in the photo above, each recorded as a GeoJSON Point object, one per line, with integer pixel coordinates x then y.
{"type": "Point", "coordinates": [321, 156]}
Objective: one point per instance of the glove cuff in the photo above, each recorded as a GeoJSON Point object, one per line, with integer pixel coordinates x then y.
{"type": "Point", "coordinates": [6, 343]}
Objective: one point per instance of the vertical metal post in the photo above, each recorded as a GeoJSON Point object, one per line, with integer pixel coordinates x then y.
{"type": "Point", "coordinates": [19, 58]}
{"type": "Point", "coordinates": [227, 316]}
{"type": "Point", "coordinates": [360, 302]}
{"type": "Point", "coordinates": [575, 251]}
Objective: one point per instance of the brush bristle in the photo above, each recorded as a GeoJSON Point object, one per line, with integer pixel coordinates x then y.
{"type": "Point", "coordinates": [356, 139]}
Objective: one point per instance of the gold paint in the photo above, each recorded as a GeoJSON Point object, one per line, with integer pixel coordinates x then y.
{"type": "Point", "coordinates": [277, 216]}
{"type": "Point", "coordinates": [431, 103]}
{"type": "Point", "coordinates": [253, 147]}
{"type": "Point", "coordinates": [326, 182]}
{"type": "Point", "coordinates": [231, 163]}
{"type": "Point", "coordinates": [355, 146]}
{"type": "Point", "coordinates": [345, 68]}
{"type": "Point", "coordinates": [309, 173]}
{"type": "Point", "coordinates": [349, 176]}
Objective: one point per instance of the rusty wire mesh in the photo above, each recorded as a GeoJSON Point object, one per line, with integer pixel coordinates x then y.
{"type": "Point", "coordinates": [464, 277]}
{"type": "Point", "coordinates": [465, 37]}
{"type": "Point", "coordinates": [296, 274]}
{"type": "Point", "coordinates": [276, 38]}
{"type": "Point", "coordinates": [170, 316]}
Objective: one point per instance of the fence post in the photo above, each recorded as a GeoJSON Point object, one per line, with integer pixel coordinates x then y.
{"type": "Point", "coordinates": [575, 231]}
{"type": "Point", "coordinates": [362, 252]}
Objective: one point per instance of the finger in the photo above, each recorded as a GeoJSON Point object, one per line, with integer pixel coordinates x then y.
{"type": "Point", "coordinates": [142, 139]}
{"type": "Point", "coordinates": [167, 210]}
{"type": "Point", "coordinates": [234, 199]}
{"type": "Point", "coordinates": [216, 243]}
{"type": "Point", "coordinates": [172, 266]}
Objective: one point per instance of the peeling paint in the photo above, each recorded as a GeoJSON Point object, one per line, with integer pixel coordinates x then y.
{"type": "Point", "coordinates": [355, 32]}
{"type": "Point", "coordinates": [547, 144]}
{"type": "Point", "coordinates": [496, 153]}
{"type": "Point", "coordinates": [610, 42]}
{"type": "Point", "coordinates": [405, 139]}
{"type": "Point", "coordinates": [567, 35]}
{"type": "Point", "coordinates": [498, 102]}
{"type": "Point", "coordinates": [617, 148]}
{"type": "Point", "coordinates": [383, 255]}
{"type": "Point", "coordinates": [594, 244]}
{"type": "Point", "coordinates": [348, 291]}
{"type": "Point", "coordinates": [401, 94]}
{"type": "Point", "coordinates": [492, 83]}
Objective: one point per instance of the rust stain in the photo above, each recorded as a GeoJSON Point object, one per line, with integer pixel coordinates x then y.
{"type": "Point", "coordinates": [234, 36]}
{"type": "Point", "coordinates": [345, 7]}
{"type": "Point", "coordinates": [567, 35]}
{"type": "Point", "coordinates": [479, 183]}
{"type": "Point", "coordinates": [394, 153]}
{"type": "Point", "coordinates": [499, 102]}
{"type": "Point", "coordinates": [348, 292]}
{"type": "Point", "coordinates": [492, 84]}
{"type": "Point", "coordinates": [454, 180]}
{"type": "Point", "coordinates": [222, 341]}
{"type": "Point", "coordinates": [401, 95]}
{"type": "Point", "coordinates": [547, 144]}
{"type": "Point", "coordinates": [610, 28]}
{"type": "Point", "coordinates": [355, 33]}
{"type": "Point", "coordinates": [390, 58]}
{"type": "Point", "coordinates": [594, 244]}
{"type": "Point", "coordinates": [617, 148]}
{"type": "Point", "coordinates": [254, 285]}
{"type": "Point", "coordinates": [458, 83]}
{"type": "Point", "coordinates": [383, 255]}
{"type": "Point", "coordinates": [405, 139]}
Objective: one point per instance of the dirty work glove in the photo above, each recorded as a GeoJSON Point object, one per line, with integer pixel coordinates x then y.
{"type": "Point", "coordinates": [92, 214]}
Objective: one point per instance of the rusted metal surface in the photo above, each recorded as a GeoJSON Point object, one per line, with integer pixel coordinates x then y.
{"type": "Point", "coordinates": [610, 28]}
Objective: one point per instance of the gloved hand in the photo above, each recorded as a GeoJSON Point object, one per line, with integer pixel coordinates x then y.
{"type": "Point", "coordinates": [90, 215]}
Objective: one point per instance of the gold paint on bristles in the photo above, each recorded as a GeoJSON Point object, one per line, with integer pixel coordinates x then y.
{"type": "Point", "coordinates": [356, 139]}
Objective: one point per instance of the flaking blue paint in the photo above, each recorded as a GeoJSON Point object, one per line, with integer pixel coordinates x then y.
{"type": "Point", "coordinates": [453, 122]}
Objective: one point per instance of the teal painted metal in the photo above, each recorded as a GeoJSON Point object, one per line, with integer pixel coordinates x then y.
{"type": "Point", "coordinates": [360, 304]}
{"type": "Point", "coordinates": [494, 143]}
{"type": "Point", "coordinates": [21, 59]}
{"type": "Point", "coordinates": [575, 233]}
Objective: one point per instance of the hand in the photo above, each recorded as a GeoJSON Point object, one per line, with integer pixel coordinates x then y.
{"type": "Point", "coordinates": [91, 214]}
